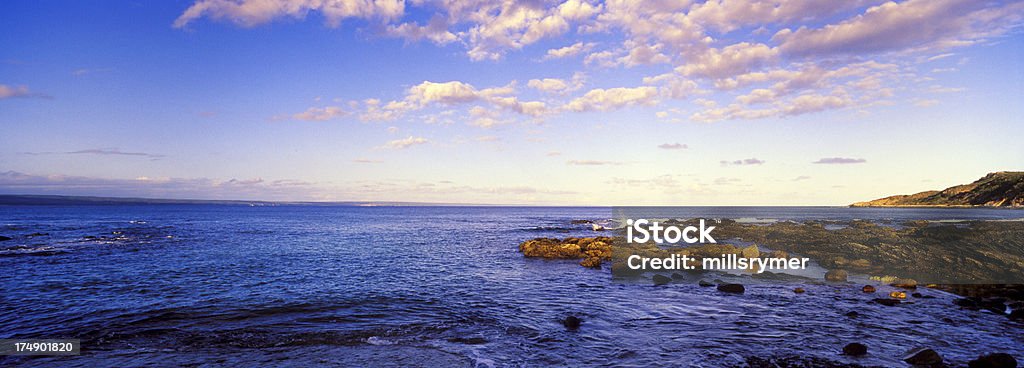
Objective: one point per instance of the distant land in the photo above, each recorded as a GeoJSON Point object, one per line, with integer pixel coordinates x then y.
{"type": "Point", "coordinates": [60, 200]}
{"type": "Point", "coordinates": [998, 189]}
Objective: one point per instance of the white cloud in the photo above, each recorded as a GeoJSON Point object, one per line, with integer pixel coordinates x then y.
{"type": "Point", "coordinates": [18, 91]}
{"type": "Point", "coordinates": [249, 13]}
{"type": "Point", "coordinates": [405, 142]}
{"type": "Point", "coordinates": [673, 146]}
{"type": "Point", "coordinates": [592, 163]}
{"type": "Point", "coordinates": [613, 98]}
{"type": "Point", "coordinates": [568, 51]}
{"type": "Point", "coordinates": [320, 113]}
{"type": "Point", "coordinates": [912, 24]}
{"type": "Point", "coordinates": [436, 31]}
{"type": "Point", "coordinates": [729, 61]}
{"type": "Point", "coordinates": [743, 162]}
{"type": "Point", "coordinates": [840, 161]}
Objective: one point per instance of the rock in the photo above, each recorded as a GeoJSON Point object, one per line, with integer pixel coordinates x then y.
{"type": "Point", "coordinates": [591, 262]}
{"type": "Point", "coordinates": [996, 360]}
{"type": "Point", "coordinates": [592, 251]}
{"type": "Point", "coordinates": [731, 288]}
{"type": "Point", "coordinates": [778, 254]}
{"type": "Point", "coordinates": [898, 295]}
{"type": "Point", "coordinates": [905, 283]}
{"type": "Point", "coordinates": [868, 289]}
{"type": "Point", "coordinates": [580, 222]}
{"type": "Point", "coordinates": [572, 322]}
{"type": "Point", "coordinates": [996, 305]}
{"type": "Point", "coordinates": [852, 314]}
{"type": "Point", "coordinates": [886, 302]}
{"type": "Point", "coordinates": [661, 279]}
{"type": "Point", "coordinates": [836, 275]}
{"type": "Point", "coordinates": [917, 295]}
{"type": "Point", "coordinates": [678, 276]}
{"type": "Point", "coordinates": [922, 356]}
{"type": "Point", "coordinates": [5, 238]}
{"type": "Point", "coordinates": [1017, 315]}
{"type": "Point", "coordinates": [799, 290]}
{"type": "Point", "coordinates": [704, 283]}
{"type": "Point", "coordinates": [968, 303]}
{"type": "Point", "coordinates": [855, 349]}
{"type": "Point", "coordinates": [750, 252]}
{"type": "Point", "coordinates": [468, 340]}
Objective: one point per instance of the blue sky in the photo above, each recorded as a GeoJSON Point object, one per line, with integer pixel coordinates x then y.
{"type": "Point", "coordinates": [544, 102]}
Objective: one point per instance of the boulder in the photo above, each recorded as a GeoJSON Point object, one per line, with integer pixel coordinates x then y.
{"type": "Point", "coordinates": [923, 356]}
{"type": "Point", "coordinates": [731, 288]}
{"type": "Point", "coordinates": [661, 279]}
{"type": "Point", "coordinates": [678, 276]}
{"type": "Point", "coordinates": [868, 289]}
{"type": "Point", "coordinates": [898, 295]}
{"type": "Point", "coordinates": [704, 283]}
{"type": "Point", "coordinates": [905, 283]}
{"type": "Point", "coordinates": [799, 290]}
{"type": "Point", "coordinates": [836, 275]}
{"type": "Point", "coordinates": [855, 349]}
{"type": "Point", "coordinates": [996, 360]}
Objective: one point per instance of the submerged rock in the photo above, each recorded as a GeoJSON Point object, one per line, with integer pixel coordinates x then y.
{"type": "Point", "coordinates": [799, 290]}
{"type": "Point", "coordinates": [886, 302]}
{"type": "Point", "coordinates": [996, 360]}
{"type": "Point", "coordinates": [731, 288]}
{"type": "Point", "coordinates": [855, 349]}
{"type": "Point", "coordinates": [661, 279]}
{"type": "Point", "coordinates": [923, 356]}
{"type": "Point", "coordinates": [572, 322]}
{"type": "Point", "coordinates": [705, 283]}
{"type": "Point", "coordinates": [468, 340]}
{"type": "Point", "coordinates": [836, 275]}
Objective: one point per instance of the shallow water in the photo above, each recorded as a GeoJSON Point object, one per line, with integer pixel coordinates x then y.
{"type": "Point", "coordinates": [424, 286]}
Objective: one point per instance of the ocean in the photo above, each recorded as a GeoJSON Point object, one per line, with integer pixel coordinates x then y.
{"type": "Point", "coordinates": [179, 285]}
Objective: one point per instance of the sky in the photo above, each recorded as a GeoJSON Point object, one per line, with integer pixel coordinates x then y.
{"type": "Point", "coordinates": [578, 102]}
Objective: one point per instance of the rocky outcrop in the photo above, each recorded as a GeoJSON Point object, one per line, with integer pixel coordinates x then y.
{"type": "Point", "coordinates": [998, 189]}
{"type": "Point", "coordinates": [591, 251]}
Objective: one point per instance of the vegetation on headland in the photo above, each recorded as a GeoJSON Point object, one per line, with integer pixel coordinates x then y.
{"type": "Point", "coordinates": [998, 189]}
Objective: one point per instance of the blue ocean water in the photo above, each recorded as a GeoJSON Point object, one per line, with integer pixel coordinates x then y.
{"type": "Point", "coordinates": [172, 285]}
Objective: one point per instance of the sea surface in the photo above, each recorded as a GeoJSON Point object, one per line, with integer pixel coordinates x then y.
{"type": "Point", "coordinates": [214, 285]}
